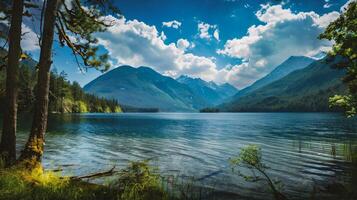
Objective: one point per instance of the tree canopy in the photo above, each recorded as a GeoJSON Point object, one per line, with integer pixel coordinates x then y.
{"type": "Point", "coordinates": [343, 32]}
{"type": "Point", "coordinates": [65, 96]}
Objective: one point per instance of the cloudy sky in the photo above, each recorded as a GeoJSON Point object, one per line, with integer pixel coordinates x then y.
{"type": "Point", "coordinates": [235, 41]}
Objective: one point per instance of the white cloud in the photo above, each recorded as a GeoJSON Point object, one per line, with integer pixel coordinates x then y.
{"type": "Point", "coordinates": [183, 44]}
{"type": "Point", "coordinates": [283, 34]}
{"type": "Point", "coordinates": [203, 30]}
{"type": "Point", "coordinates": [163, 36]}
{"type": "Point", "coordinates": [216, 34]}
{"type": "Point", "coordinates": [272, 14]}
{"type": "Point", "coordinates": [137, 44]}
{"type": "Point", "coordinates": [327, 5]}
{"type": "Point", "coordinates": [206, 30]}
{"type": "Point", "coordinates": [173, 24]}
{"type": "Point", "coordinates": [29, 40]}
{"type": "Point", "coordinates": [324, 20]}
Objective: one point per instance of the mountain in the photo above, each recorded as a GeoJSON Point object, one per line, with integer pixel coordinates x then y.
{"type": "Point", "coordinates": [212, 93]}
{"type": "Point", "coordinates": [291, 64]}
{"type": "Point", "coordinates": [306, 89]}
{"type": "Point", "coordinates": [227, 90]}
{"type": "Point", "coordinates": [145, 88]}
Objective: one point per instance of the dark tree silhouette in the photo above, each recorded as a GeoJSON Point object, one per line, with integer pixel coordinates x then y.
{"type": "Point", "coordinates": [8, 137]}
{"type": "Point", "coordinates": [74, 25]}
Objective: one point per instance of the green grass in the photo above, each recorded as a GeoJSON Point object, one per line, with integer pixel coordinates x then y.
{"type": "Point", "coordinates": [21, 184]}
{"type": "Point", "coordinates": [137, 182]}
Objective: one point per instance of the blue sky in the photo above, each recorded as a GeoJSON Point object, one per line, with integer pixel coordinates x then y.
{"type": "Point", "coordinates": [235, 41]}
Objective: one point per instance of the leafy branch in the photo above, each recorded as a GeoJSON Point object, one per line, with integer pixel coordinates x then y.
{"type": "Point", "coordinates": [250, 157]}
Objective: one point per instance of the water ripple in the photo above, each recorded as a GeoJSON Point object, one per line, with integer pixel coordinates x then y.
{"type": "Point", "coordinates": [299, 148]}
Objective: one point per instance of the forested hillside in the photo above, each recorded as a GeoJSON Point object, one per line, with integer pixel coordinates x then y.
{"type": "Point", "coordinates": [145, 88]}
{"type": "Point", "coordinates": [304, 90]}
{"type": "Point", "coordinates": [291, 64]}
{"type": "Point", "coordinates": [65, 97]}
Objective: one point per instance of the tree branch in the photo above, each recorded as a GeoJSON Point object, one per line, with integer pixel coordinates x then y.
{"type": "Point", "coordinates": [95, 175]}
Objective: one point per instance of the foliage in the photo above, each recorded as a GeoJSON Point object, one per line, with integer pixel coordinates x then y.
{"type": "Point", "coordinates": [70, 97]}
{"type": "Point", "coordinates": [65, 97]}
{"type": "Point", "coordinates": [36, 184]}
{"type": "Point", "coordinates": [251, 157]}
{"type": "Point", "coordinates": [136, 182]}
{"type": "Point", "coordinates": [343, 32]}
{"type": "Point", "coordinates": [346, 102]}
{"type": "Point", "coordinates": [77, 21]}
{"type": "Point", "coordinates": [117, 109]}
{"type": "Point", "coordinates": [139, 182]}
{"type": "Point", "coordinates": [80, 107]}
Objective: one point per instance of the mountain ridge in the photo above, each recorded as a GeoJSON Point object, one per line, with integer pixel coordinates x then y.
{"type": "Point", "coordinates": [306, 89]}
{"type": "Point", "coordinates": [289, 65]}
{"type": "Point", "coordinates": [145, 88]}
{"type": "Point", "coordinates": [213, 93]}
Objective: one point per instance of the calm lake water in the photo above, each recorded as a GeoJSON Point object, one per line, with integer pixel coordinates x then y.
{"type": "Point", "coordinates": [303, 150]}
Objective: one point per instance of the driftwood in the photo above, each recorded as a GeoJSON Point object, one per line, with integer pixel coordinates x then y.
{"type": "Point", "coordinates": [95, 175]}
{"type": "Point", "coordinates": [60, 167]}
{"type": "Point", "coordinates": [55, 170]}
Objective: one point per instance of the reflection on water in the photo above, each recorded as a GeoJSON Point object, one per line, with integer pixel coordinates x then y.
{"type": "Point", "coordinates": [302, 149]}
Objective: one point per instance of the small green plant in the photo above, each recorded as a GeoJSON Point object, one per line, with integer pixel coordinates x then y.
{"type": "Point", "coordinates": [345, 102]}
{"type": "Point", "coordinates": [140, 182]}
{"type": "Point", "coordinates": [251, 157]}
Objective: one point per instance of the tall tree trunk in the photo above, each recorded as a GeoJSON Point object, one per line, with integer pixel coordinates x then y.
{"type": "Point", "coordinates": [8, 137]}
{"type": "Point", "coordinates": [35, 145]}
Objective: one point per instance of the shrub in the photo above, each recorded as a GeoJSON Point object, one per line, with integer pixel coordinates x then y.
{"type": "Point", "coordinates": [251, 157]}
{"type": "Point", "coordinates": [139, 182]}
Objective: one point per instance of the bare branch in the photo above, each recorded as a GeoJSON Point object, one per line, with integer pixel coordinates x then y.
{"type": "Point", "coordinates": [95, 175]}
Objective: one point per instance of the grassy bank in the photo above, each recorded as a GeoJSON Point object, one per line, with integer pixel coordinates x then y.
{"type": "Point", "coordinates": [136, 182]}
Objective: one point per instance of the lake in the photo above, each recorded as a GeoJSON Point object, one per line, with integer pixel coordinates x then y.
{"type": "Point", "coordinates": [303, 150]}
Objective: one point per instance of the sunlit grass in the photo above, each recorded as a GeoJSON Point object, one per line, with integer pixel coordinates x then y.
{"type": "Point", "coordinates": [37, 184]}
{"type": "Point", "coordinates": [137, 182]}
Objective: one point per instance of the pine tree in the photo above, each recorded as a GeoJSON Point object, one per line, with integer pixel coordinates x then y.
{"type": "Point", "coordinates": [8, 137]}
{"type": "Point", "coordinates": [68, 19]}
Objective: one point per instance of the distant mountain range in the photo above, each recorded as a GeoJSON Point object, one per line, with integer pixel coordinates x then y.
{"type": "Point", "coordinates": [291, 64]}
{"type": "Point", "coordinates": [305, 89]}
{"type": "Point", "coordinates": [145, 88]}
{"type": "Point", "coordinates": [212, 93]}
{"type": "Point", "coordinates": [298, 84]}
